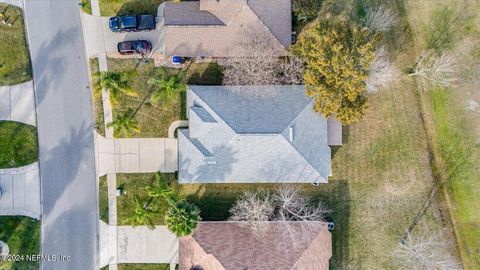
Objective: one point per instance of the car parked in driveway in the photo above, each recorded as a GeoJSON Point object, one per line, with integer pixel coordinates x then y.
{"type": "Point", "coordinates": [134, 47]}
{"type": "Point", "coordinates": [132, 23]}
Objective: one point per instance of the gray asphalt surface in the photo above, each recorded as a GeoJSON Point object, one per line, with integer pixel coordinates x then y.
{"type": "Point", "coordinates": [65, 133]}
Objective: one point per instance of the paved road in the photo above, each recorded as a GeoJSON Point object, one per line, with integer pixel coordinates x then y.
{"type": "Point", "coordinates": [65, 131]}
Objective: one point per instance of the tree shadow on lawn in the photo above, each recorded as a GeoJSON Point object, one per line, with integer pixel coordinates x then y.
{"type": "Point", "coordinates": [140, 7]}
{"type": "Point", "coordinates": [211, 75]}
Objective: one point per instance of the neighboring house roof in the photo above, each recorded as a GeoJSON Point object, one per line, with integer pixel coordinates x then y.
{"type": "Point", "coordinates": [235, 139]}
{"type": "Point", "coordinates": [219, 28]}
{"type": "Point", "coordinates": [227, 245]}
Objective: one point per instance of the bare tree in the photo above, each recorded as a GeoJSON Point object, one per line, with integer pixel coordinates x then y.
{"type": "Point", "coordinates": [291, 206]}
{"type": "Point", "coordinates": [261, 65]}
{"type": "Point", "coordinates": [285, 205]}
{"type": "Point", "coordinates": [425, 252]}
{"type": "Point", "coordinates": [255, 209]}
{"type": "Point", "coordinates": [290, 70]}
{"type": "Point", "coordinates": [380, 19]}
{"type": "Point", "coordinates": [436, 70]}
{"type": "Point", "coordinates": [257, 67]}
{"type": "Point", "coordinates": [382, 72]}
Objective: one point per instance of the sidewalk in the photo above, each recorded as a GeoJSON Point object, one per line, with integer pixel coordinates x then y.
{"type": "Point", "coordinates": [20, 191]}
{"type": "Point", "coordinates": [17, 103]}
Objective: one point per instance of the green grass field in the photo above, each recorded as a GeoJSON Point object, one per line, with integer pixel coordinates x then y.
{"type": "Point", "coordinates": [97, 101]}
{"type": "Point", "coordinates": [134, 186]}
{"type": "Point", "coordinates": [154, 119]}
{"type": "Point", "coordinates": [457, 156]}
{"type": "Point", "coordinates": [138, 266]}
{"type": "Point", "coordinates": [103, 198]}
{"type": "Point", "coordinates": [129, 7]}
{"type": "Point", "coordinates": [14, 56]}
{"type": "Point", "coordinates": [86, 6]}
{"type": "Point", "coordinates": [383, 173]}
{"type": "Point", "coordinates": [453, 128]}
{"type": "Point", "coordinates": [18, 144]}
{"type": "Point", "coordinates": [22, 234]}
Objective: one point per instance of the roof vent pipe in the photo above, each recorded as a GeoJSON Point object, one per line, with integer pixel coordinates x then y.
{"type": "Point", "coordinates": [290, 133]}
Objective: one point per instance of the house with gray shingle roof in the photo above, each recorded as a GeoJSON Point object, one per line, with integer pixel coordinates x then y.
{"type": "Point", "coordinates": [236, 138]}
{"type": "Point", "coordinates": [218, 28]}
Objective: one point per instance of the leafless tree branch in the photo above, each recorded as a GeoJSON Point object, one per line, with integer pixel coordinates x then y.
{"type": "Point", "coordinates": [380, 19]}
{"type": "Point", "coordinates": [436, 70]}
{"type": "Point", "coordinates": [425, 251]}
{"type": "Point", "coordinates": [382, 72]}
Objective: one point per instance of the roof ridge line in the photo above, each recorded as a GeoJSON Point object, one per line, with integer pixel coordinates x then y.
{"type": "Point", "coordinates": [263, 23]}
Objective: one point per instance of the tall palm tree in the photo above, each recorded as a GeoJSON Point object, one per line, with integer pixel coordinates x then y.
{"type": "Point", "coordinates": [161, 189]}
{"type": "Point", "coordinates": [182, 218]}
{"type": "Point", "coordinates": [142, 215]}
{"type": "Point", "coordinates": [124, 124]}
{"type": "Point", "coordinates": [167, 87]}
{"type": "Point", "coordinates": [115, 83]}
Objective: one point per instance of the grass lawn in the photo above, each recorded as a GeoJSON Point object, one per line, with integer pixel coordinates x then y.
{"type": "Point", "coordinates": [382, 175]}
{"type": "Point", "coordinates": [103, 198]}
{"type": "Point", "coordinates": [375, 193]}
{"type": "Point", "coordinates": [138, 266]}
{"type": "Point", "coordinates": [22, 234]}
{"type": "Point", "coordinates": [129, 7]}
{"type": "Point", "coordinates": [18, 144]}
{"type": "Point", "coordinates": [14, 56]}
{"type": "Point", "coordinates": [154, 119]}
{"type": "Point", "coordinates": [134, 185]}
{"type": "Point", "coordinates": [97, 101]}
{"type": "Point", "coordinates": [86, 6]}
{"type": "Point", "coordinates": [457, 156]}
{"type": "Point", "coordinates": [453, 128]}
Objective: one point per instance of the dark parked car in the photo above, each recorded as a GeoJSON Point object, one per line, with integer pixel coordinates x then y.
{"type": "Point", "coordinates": [132, 23]}
{"type": "Point", "coordinates": [134, 46]}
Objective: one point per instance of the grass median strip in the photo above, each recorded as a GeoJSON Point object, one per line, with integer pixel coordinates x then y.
{"type": "Point", "coordinates": [14, 56]}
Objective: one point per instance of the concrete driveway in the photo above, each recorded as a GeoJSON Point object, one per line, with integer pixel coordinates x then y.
{"type": "Point", "coordinates": [20, 191]}
{"type": "Point", "coordinates": [99, 39]}
{"type": "Point", "coordinates": [136, 155]}
{"type": "Point", "coordinates": [17, 103]}
{"type": "Point", "coordinates": [142, 245]}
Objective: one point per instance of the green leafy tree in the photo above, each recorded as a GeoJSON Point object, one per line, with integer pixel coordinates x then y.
{"type": "Point", "coordinates": [168, 87]}
{"type": "Point", "coordinates": [182, 218]}
{"type": "Point", "coordinates": [143, 214]}
{"type": "Point", "coordinates": [115, 83]}
{"type": "Point", "coordinates": [124, 124]}
{"type": "Point", "coordinates": [337, 57]}
{"type": "Point", "coordinates": [161, 189]}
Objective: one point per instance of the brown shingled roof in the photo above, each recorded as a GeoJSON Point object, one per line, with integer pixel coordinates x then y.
{"type": "Point", "coordinates": [227, 245]}
{"type": "Point", "coordinates": [212, 28]}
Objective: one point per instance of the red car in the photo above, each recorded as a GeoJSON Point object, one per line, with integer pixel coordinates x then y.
{"type": "Point", "coordinates": [134, 46]}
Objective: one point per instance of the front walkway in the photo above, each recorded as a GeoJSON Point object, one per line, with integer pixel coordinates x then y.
{"type": "Point", "coordinates": [17, 103]}
{"type": "Point", "coordinates": [20, 191]}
